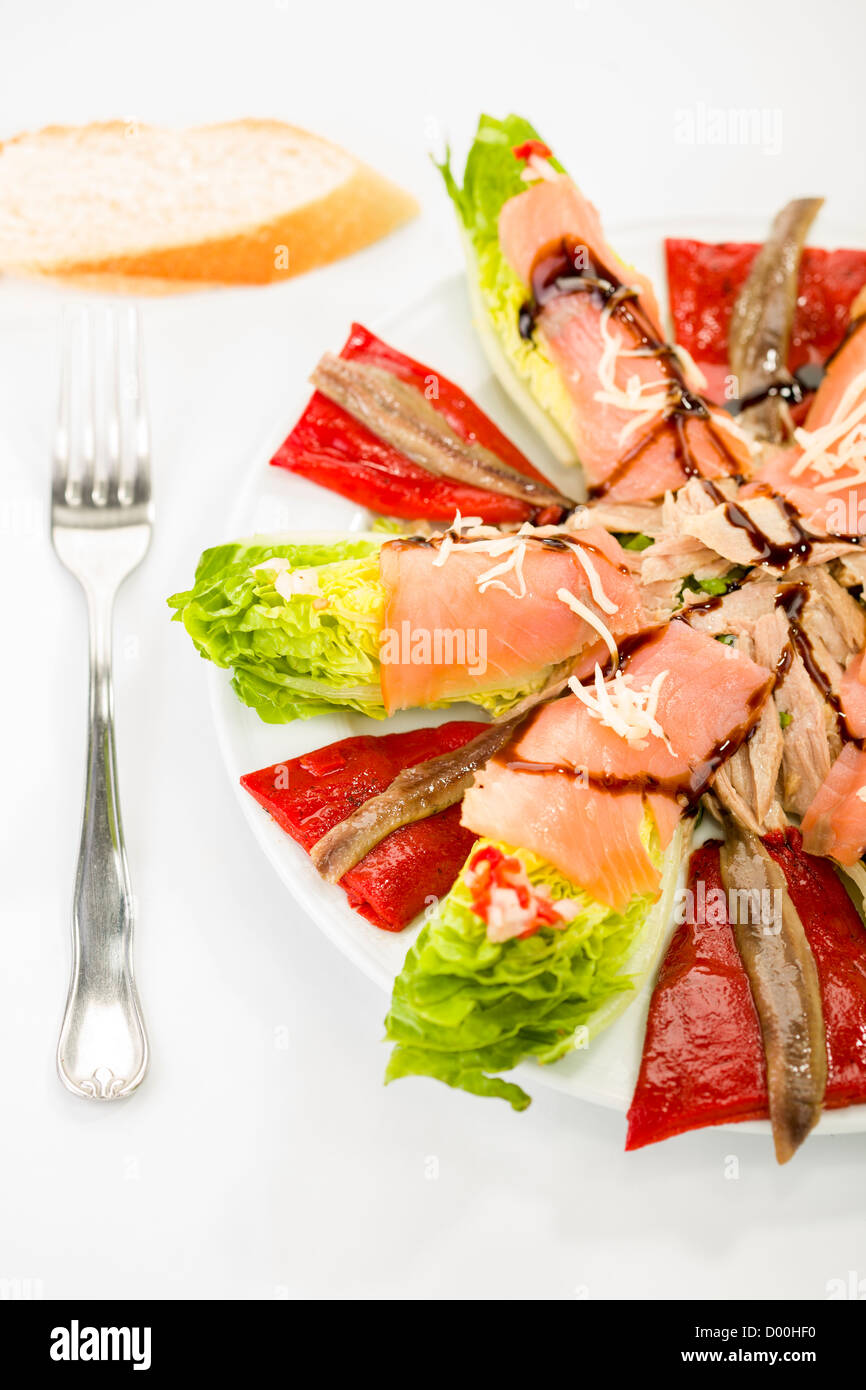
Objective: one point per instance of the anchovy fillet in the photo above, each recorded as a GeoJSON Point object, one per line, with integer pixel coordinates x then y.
{"type": "Point", "coordinates": [416, 793]}
{"type": "Point", "coordinates": [420, 791]}
{"type": "Point", "coordinates": [760, 329]}
{"type": "Point", "coordinates": [784, 983]}
{"type": "Point", "coordinates": [401, 416]}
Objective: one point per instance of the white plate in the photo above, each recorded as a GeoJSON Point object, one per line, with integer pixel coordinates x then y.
{"type": "Point", "coordinates": [437, 329]}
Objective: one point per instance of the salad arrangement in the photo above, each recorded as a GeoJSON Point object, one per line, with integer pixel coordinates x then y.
{"type": "Point", "coordinates": [666, 778]}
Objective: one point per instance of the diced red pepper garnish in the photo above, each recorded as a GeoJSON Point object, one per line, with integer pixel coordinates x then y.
{"type": "Point", "coordinates": [330, 447]}
{"type": "Point", "coordinates": [489, 868]}
{"type": "Point", "coordinates": [705, 279]}
{"type": "Point", "coordinates": [703, 1060]}
{"type": "Point", "coordinates": [309, 795]}
{"type": "Point", "coordinates": [530, 147]}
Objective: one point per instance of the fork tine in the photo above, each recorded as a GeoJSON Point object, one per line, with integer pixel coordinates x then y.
{"type": "Point", "coordinates": [87, 398]}
{"type": "Point", "coordinates": [101, 449]}
{"type": "Point", "coordinates": [106, 475]}
{"type": "Point", "coordinates": [140, 425]}
{"type": "Point", "coordinates": [62, 434]}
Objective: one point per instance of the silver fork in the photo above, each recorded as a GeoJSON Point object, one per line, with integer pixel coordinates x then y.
{"type": "Point", "coordinates": [101, 521]}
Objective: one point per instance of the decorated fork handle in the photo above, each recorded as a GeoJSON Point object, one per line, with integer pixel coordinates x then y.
{"type": "Point", "coordinates": [103, 1052]}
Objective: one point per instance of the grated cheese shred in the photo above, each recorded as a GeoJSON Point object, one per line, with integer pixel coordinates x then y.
{"type": "Point", "coordinates": [645, 398]}
{"type": "Point", "coordinates": [841, 443]}
{"type": "Point", "coordinates": [470, 535]}
{"type": "Point", "coordinates": [538, 168]}
{"type": "Point", "coordinates": [629, 711]}
{"type": "Point", "coordinates": [590, 617]}
{"type": "Point", "coordinates": [289, 582]}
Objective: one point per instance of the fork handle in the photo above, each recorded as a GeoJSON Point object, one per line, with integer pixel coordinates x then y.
{"type": "Point", "coordinates": [103, 1052]}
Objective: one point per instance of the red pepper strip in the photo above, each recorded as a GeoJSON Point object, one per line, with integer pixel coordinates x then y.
{"type": "Point", "coordinates": [703, 1061]}
{"type": "Point", "coordinates": [530, 147]}
{"type": "Point", "coordinates": [704, 281]}
{"type": "Point", "coordinates": [309, 795]}
{"type": "Point", "coordinates": [332, 448]}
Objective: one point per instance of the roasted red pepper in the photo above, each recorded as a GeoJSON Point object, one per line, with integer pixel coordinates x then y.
{"type": "Point", "coordinates": [332, 448]}
{"type": "Point", "coordinates": [705, 279]}
{"type": "Point", "coordinates": [703, 1061]}
{"type": "Point", "coordinates": [309, 795]}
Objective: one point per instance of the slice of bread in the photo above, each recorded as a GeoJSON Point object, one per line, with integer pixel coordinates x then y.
{"type": "Point", "coordinates": [134, 207]}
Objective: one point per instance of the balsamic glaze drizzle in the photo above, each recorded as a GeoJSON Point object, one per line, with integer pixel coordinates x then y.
{"type": "Point", "coordinates": [565, 268]}
{"type": "Point", "coordinates": [792, 599]}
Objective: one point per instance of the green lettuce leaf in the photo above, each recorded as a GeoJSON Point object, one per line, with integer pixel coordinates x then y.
{"type": "Point", "coordinates": [716, 587]}
{"type": "Point", "coordinates": [491, 177]}
{"type": "Point", "coordinates": [465, 1008]}
{"type": "Point", "coordinates": [291, 659]}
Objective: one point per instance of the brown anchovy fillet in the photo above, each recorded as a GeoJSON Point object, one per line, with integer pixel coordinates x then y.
{"type": "Point", "coordinates": [416, 793]}
{"type": "Point", "coordinates": [784, 984]}
{"type": "Point", "coordinates": [402, 417]}
{"type": "Point", "coordinates": [420, 791]}
{"type": "Point", "coordinates": [760, 328]}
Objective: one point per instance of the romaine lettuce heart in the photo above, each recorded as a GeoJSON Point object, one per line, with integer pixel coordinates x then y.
{"type": "Point", "coordinates": [465, 1008]}
{"type": "Point", "coordinates": [298, 657]}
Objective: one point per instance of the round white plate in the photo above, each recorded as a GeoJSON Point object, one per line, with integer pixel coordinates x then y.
{"type": "Point", "coordinates": [438, 330]}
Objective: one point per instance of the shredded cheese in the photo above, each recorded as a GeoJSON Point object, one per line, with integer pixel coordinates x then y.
{"type": "Point", "coordinates": [841, 443]}
{"type": "Point", "coordinates": [488, 540]}
{"type": "Point", "coordinates": [457, 527]}
{"type": "Point", "coordinates": [491, 579]}
{"type": "Point", "coordinates": [595, 585]}
{"type": "Point", "coordinates": [693, 372]}
{"type": "Point", "coordinates": [538, 168]}
{"type": "Point", "coordinates": [590, 617]}
{"type": "Point", "coordinates": [277, 563]}
{"type": "Point", "coordinates": [288, 583]}
{"type": "Point", "coordinates": [630, 712]}
{"type": "Point", "coordinates": [645, 397]}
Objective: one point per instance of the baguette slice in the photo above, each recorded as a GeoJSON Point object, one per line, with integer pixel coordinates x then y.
{"type": "Point", "coordinates": [134, 207]}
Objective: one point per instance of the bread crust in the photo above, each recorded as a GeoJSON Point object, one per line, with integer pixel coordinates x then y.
{"type": "Point", "coordinates": [362, 209]}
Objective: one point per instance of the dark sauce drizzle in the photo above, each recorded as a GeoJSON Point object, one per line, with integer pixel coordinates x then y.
{"type": "Point", "coordinates": [804, 381]}
{"type": "Point", "coordinates": [781, 556]}
{"type": "Point", "coordinates": [557, 272]}
{"type": "Point", "coordinates": [791, 599]}
{"type": "Point", "coordinates": [562, 542]}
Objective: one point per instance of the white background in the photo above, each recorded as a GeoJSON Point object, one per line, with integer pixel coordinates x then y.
{"type": "Point", "coordinates": [240, 1169]}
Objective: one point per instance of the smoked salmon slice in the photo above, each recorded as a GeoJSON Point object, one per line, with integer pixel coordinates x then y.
{"type": "Point", "coordinates": [592, 836]}
{"type": "Point", "coordinates": [574, 789]}
{"type": "Point", "coordinates": [639, 425]}
{"type": "Point", "coordinates": [824, 473]}
{"type": "Point", "coordinates": [466, 616]}
{"type": "Point", "coordinates": [553, 210]}
{"type": "Point", "coordinates": [835, 823]}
